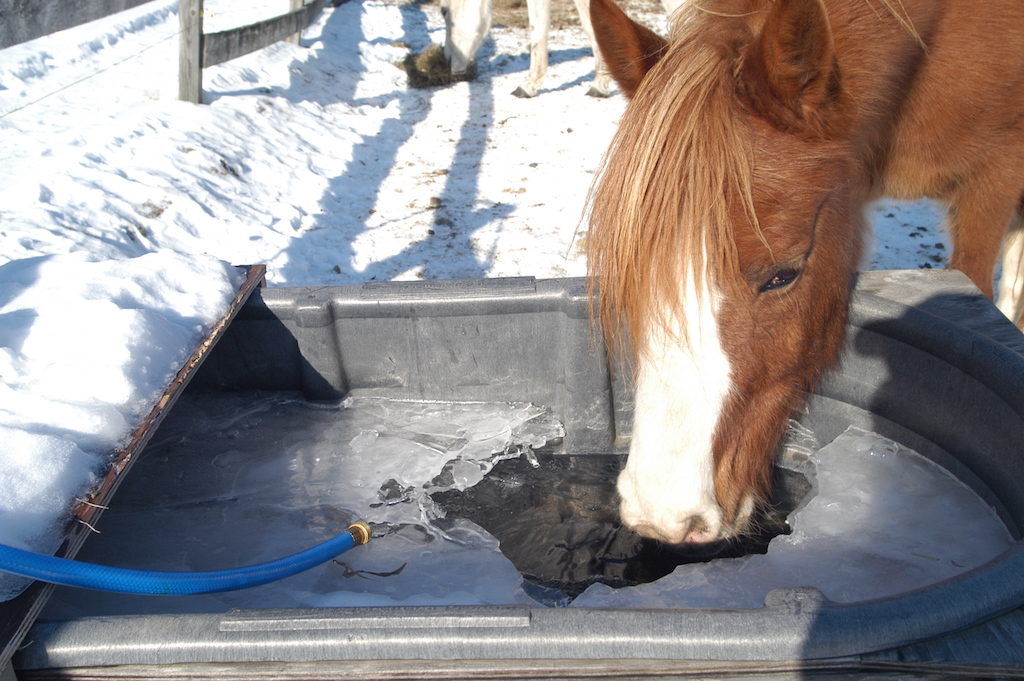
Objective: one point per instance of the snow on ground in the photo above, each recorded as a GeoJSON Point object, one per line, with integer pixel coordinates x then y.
{"type": "Point", "coordinates": [315, 159]}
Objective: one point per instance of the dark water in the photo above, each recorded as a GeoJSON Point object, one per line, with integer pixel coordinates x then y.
{"type": "Point", "coordinates": [558, 524]}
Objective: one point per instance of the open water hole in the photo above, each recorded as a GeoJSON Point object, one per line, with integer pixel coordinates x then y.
{"type": "Point", "coordinates": [556, 518]}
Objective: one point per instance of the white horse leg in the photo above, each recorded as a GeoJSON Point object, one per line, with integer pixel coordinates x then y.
{"type": "Point", "coordinates": [466, 24]}
{"type": "Point", "coordinates": [602, 79]}
{"type": "Point", "coordinates": [1011, 284]}
{"type": "Point", "coordinates": [539, 12]}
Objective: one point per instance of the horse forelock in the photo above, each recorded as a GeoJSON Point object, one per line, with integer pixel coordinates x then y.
{"type": "Point", "coordinates": [666, 198]}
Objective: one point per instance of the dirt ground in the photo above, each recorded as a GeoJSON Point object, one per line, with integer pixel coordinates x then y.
{"type": "Point", "coordinates": [513, 13]}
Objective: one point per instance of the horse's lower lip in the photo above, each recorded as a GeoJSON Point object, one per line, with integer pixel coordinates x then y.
{"type": "Point", "coordinates": [681, 539]}
{"type": "Point", "coordinates": [695, 548]}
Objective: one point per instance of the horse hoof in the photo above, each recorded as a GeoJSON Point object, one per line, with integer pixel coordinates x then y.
{"type": "Point", "coordinates": [597, 92]}
{"type": "Point", "coordinates": [520, 92]}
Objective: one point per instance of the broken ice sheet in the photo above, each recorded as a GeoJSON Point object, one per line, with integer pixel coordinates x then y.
{"type": "Point", "coordinates": [445, 445]}
{"type": "Point", "coordinates": [285, 473]}
{"type": "Point", "coordinates": [884, 520]}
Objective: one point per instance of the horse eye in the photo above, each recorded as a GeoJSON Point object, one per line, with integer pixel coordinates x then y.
{"type": "Point", "coordinates": [780, 279]}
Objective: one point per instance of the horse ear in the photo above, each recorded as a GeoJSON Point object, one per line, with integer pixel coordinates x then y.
{"type": "Point", "coordinates": [629, 49]}
{"type": "Point", "coordinates": [793, 64]}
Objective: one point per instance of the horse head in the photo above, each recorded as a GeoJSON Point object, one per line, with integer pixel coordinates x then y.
{"type": "Point", "coordinates": [725, 230]}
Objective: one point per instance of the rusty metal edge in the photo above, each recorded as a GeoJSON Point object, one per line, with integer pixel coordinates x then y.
{"type": "Point", "coordinates": [18, 614]}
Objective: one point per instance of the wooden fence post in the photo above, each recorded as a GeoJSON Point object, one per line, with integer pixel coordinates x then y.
{"type": "Point", "coordinates": [190, 55]}
{"type": "Point", "coordinates": [294, 5]}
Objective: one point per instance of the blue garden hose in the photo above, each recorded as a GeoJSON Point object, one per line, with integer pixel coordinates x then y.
{"type": "Point", "coordinates": [121, 580]}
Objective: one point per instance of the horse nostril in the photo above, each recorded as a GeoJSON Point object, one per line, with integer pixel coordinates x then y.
{"type": "Point", "coordinates": [701, 531]}
{"type": "Point", "coordinates": [697, 526]}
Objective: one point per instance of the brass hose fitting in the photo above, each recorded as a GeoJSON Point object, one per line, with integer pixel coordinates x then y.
{"type": "Point", "coordinates": [361, 532]}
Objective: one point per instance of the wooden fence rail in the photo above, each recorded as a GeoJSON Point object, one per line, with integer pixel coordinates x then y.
{"type": "Point", "coordinates": [199, 50]}
{"type": "Point", "coordinates": [23, 20]}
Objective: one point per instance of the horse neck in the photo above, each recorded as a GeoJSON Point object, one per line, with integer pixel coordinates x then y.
{"type": "Point", "coordinates": [879, 56]}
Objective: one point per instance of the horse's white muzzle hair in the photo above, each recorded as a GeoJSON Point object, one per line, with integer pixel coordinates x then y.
{"type": "Point", "coordinates": [659, 516]}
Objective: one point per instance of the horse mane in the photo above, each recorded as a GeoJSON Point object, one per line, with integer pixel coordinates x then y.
{"type": "Point", "coordinates": [678, 155]}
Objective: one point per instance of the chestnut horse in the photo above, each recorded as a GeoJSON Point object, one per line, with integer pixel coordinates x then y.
{"type": "Point", "coordinates": [726, 224]}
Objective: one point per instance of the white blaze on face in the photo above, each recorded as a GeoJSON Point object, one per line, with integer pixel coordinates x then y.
{"type": "Point", "coordinates": [667, 487]}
